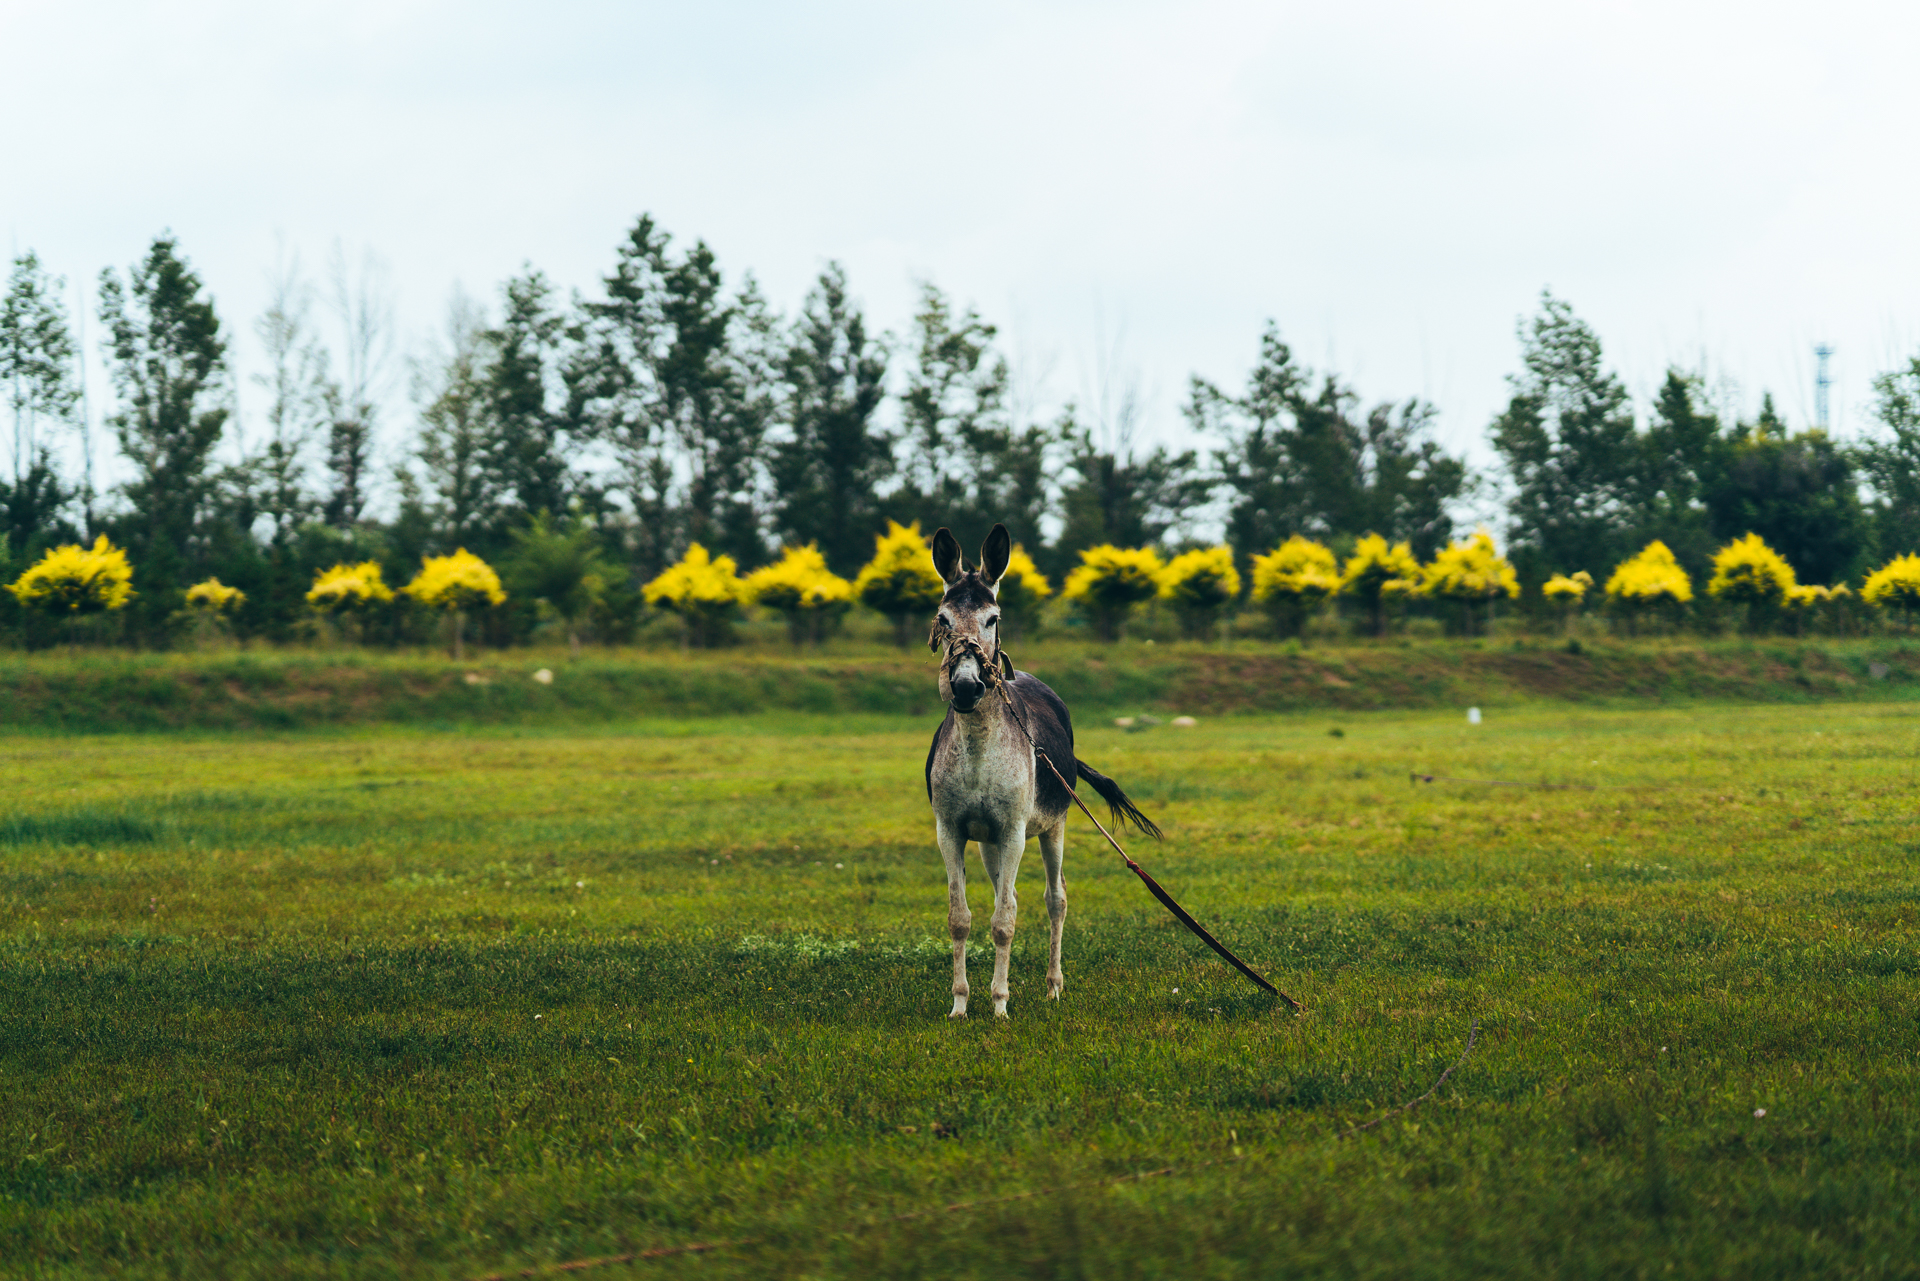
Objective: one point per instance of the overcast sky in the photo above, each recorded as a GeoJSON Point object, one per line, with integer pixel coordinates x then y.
{"type": "Point", "coordinates": [1715, 186]}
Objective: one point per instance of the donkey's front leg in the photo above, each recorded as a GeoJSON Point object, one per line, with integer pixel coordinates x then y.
{"type": "Point", "coordinates": [953, 851]}
{"type": "Point", "coordinates": [1003, 867]}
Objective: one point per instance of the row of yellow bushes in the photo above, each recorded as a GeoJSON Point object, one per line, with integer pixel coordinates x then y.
{"type": "Point", "coordinates": [1298, 575]}
{"type": "Point", "coordinates": [74, 580]}
{"type": "Point", "coordinates": [900, 581]}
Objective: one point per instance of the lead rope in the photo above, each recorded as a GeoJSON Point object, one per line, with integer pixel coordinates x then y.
{"type": "Point", "coordinates": [998, 672]}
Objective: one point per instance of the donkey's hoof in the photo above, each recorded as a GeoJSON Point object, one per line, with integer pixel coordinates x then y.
{"type": "Point", "coordinates": [956, 1015]}
{"type": "Point", "coordinates": [999, 1009]}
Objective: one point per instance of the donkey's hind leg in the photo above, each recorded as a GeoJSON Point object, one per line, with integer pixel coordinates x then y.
{"type": "Point", "coordinates": [1053, 852]}
{"type": "Point", "coordinates": [1003, 868]}
{"type": "Point", "coordinates": [953, 851]}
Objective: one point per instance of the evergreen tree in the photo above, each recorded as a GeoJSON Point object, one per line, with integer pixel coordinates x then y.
{"type": "Point", "coordinates": [461, 490]}
{"type": "Point", "coordinates": [1891, 463]}
{"type": "Point", "coordinates": [530, 441]}
{"type": "Point", "coordinates": [1799, 493]}
{"type": "Point", "coordinates": [1292, 462]}
{"type": "Point", "coordinates": [719, 389]}
{"type": "Point", "coordinates": [1568, 440]}
{"type": "Point", "coordinates": [612, 389]}
{"type": "Point", "coordinates": [296, 384]}
{"type": "Point", "coordinates": [364, 308]}
{"type": "Point", "coordinates": [169, 369]}
{"type": "Point", "coordinates": [1683, 452]}
{"type": "Point", "coordinates": [678, 380]}
{"type": "Point", "coordinates": [37, 356]}
{"type": "Point", "coordinates": [967, 464]}
{"type": "Point", "coordinates": [828, 469]}
{"type": "Point", "coordinates": [1268, 499]}
{"type": "Point", "coordinates": [1121, 497]}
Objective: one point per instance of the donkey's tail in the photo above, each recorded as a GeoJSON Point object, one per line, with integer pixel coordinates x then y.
{"type": "Point", "coordinates": [1122, 808]}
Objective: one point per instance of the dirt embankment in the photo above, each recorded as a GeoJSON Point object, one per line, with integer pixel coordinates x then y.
{"type": "Point", "coordinates": [56, 693]}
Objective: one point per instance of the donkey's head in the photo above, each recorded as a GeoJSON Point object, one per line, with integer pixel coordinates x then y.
{"type": "Point", "coordinates": [968, 625]}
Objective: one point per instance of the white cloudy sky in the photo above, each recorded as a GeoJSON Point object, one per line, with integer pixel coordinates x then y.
{"type": "Point", "coordinates": [1716, 186]}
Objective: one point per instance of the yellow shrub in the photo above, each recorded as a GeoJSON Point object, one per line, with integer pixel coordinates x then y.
{"type": "Point", "coordinates": [1022, 590]}
{"type": "Point", "coordinates": [1378, 572]}
{"type": "Point", "coordinates": [459, 581]}
{"type": "Point", "coordinates": [1109, 576]}
{"type": "Point", "coordinates": [346, 587]}
{"type": "Point", "coordinates": [700, 581]}
{"type": "Point", "coordinates": [1199, 584]}
{"type": "Point", "coordinates": [1110, 580]}
{"type": "Point", "coordinates": [1565, 590]}
{"type": "Point", "coordinates": [1895, 585]}
{"type": "Point", "coordinates": [799, 580]}
{"type": "Point", "coordinates": [900, 580]}
{"type": "Point", "coordinates": [1201, 579]}
{"type": "Point", "coordinates": [1470, 571]}
{"type": "Point", "coordinates": [1297, 571]}
{"type": "Point", "coordinates": [213, 596]}
{"type": "Point", "coordinates": [1653, 577]}
{"type": "Point", "coordinates": [1748, 572]}
{"type": "Point", "coordinates": [800, 586]}
{"type": "Point", "coordinates": [74, 580]}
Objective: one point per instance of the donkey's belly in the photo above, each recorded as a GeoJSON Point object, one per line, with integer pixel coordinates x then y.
{"type": "Point", "coordinates": [991, 832]}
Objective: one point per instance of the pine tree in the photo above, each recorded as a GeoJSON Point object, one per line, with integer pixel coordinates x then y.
{"type": "Point", "coordinates": [615, 393]}
{"type": "Point", "coordinates": [530, 442]}
{"type": "Point", "coordinates": [717, 377]}
{"type": "Point", "coordinates": [296, 384]}
{"type": "Point", "coordinates": [37, 371]}
{"type": "Point", "coordinates": [363, 306]}
{"type": "Point", "coordinates": [966, 464]}
{"type": "Point", "coordinates": [1684, 454]}
{"type": "Point", "coordinates": [1568, 440]}
{"type": "Point", "coordinates": [1119, 496]}
{"type": "Point", "coordinates": [828, 469]}
{"type": "Point", "coordinates": [1293, 461]}
{"type": "Point", "coordinates": [460, 489]}
{"type": "Point", "coordinates": [1891, 463]}
{"type": "Point", "coordinates": [169, 370]}
{"type": "Point", "coordinates": [1797, 492]}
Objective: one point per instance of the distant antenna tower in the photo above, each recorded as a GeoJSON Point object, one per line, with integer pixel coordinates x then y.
{"type": "Point", "coordinates": [1821, 381]}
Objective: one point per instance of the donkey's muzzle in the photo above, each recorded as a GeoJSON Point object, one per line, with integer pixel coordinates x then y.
{"type": "Point", "coordinates": [967, 693]}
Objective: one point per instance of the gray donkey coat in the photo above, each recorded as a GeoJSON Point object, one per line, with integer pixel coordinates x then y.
{"type": "Point", "coordinates": [984, 779]}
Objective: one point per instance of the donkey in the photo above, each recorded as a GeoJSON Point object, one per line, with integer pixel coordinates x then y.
{"type": "Point", "coordinates": [984, 776]}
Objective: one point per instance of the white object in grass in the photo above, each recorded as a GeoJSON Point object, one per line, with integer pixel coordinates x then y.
{"type": "Point", "coordinates": [1185, 722]}
{"type": "Point", "coordinates": [544, 676]}
{"type": "Point", "coordinates": [1473, 716]}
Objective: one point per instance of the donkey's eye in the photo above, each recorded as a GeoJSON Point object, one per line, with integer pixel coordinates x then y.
{"type": "Point", "coordinates": [989, 623]}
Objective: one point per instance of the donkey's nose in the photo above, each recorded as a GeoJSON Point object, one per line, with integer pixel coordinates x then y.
{"type": "Point", "coordinates": [966, 692]}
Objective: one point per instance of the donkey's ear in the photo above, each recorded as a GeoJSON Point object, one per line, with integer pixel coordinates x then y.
{"type": "Point", "coordinates": [946, 556]}
{"type": "Point", "coordinates": [994, 555]}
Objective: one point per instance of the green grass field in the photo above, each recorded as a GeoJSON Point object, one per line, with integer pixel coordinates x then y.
{"type": "Point", "coordinates": [398, 1002]}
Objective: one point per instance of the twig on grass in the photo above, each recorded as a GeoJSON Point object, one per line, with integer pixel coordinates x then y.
{"type": "Point", "coordinates": [1473, 1035]}
{"type": "Point", "coordinates": [707, 1247]}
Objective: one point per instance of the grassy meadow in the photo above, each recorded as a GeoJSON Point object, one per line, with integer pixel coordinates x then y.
{"type": "Point", "coordinates": [407, 1001]}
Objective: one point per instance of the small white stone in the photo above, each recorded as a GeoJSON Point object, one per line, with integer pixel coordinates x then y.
{"type": "Point", "coordinates": [1124, 722]}
{"type": "Point", "coordinates": [1759, 1112]}
{"type": "Point", "coordinates": [544, 676]}
{"type": "Point", "coordinates": [1185, 722]}
{"type": "Point", "coordinates": [579, 885]}
{"type": "Point", "coordinates": [839, 864]}
{"type": "Point", "coordinates": [1473, 716]}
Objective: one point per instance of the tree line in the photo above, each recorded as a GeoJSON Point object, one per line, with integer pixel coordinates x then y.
{"type": "Point", "coordinates": [671, 407]}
